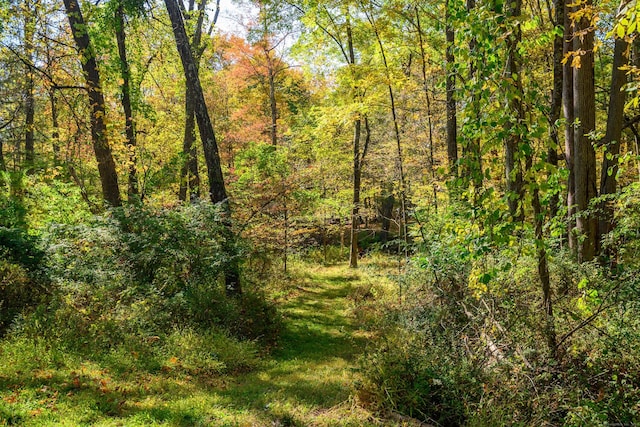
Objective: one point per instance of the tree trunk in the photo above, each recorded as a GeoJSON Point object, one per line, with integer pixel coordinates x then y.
{"type": "Point", "coordinates": [584, 105]}
{"type": "Point", "coordinates": [55, 126]}
{"type": "Point", "coordinates": [104, 157]}
{"type": "Point", "coordinates": [569, 129]}
{"type": "Point", "coordinates": [471, 148]}
{"type": "Point", "coordinates": [357, 171]}
{"type": "Point", "coordinates": [396, 131]}
{"type": "Point", "coordinates": [513, 165]}
{"type": "Point", "coordinates": [189, 174]}
{"type": "Point", "coordinates": [217, 190]}
{"type": "Point", "coordinates": [130, 130]}
{"type": "Point", "coordinates": [273, 106]}
{"type": "Point", "coordinates": [556, 98]}
{"type": "Point", "coordinates": [615, 121]}
{"type": "Point", "coordinates": [355, 208]}
{"type": "Point", "coordinates": [29, 104]}
{"type": "Point", "coordinates": [452, 125]}
{"type": "Point", "coordinates": [545, 282]}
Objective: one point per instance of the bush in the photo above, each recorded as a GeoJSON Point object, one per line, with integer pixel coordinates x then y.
{"type": "Point", "coordinates": [141, 272]}
{"type": "Point", "coordinates": [23, 279]}
{"type": "Point", "coordinates": [463, 339]}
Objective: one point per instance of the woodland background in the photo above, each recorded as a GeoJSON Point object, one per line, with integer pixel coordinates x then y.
{"type": "Point", "coordinates": [164, 185]}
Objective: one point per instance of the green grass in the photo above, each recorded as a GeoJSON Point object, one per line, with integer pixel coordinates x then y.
{"type": "Point", "coordinates": [307, 380]}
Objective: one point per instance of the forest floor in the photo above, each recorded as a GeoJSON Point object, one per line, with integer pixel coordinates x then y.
{"type": "Point", "coordinates": [308, 380]}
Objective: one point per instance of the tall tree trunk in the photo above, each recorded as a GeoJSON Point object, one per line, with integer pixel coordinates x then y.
{"type": "Point", "coordinates": [55, 126]}
{"type": "Point", "coordinates": [569, 129]}
{"type": "Point", "coordinates": [556, 97]}
{"type": "Point", "coordinates": [452, 125]}
{"type": "Point", "coordinates": [396, 132]}
{"type": "Point", "coordinates": [471, 148]}
{"type": "Point", "coordinates": [584, 105]}
{"type": "Point", "coordinates": [615, 121]}
{"type": "Point", "coordinates": [189, 174]}
{"type": "Point", "coordinates": [357, 170]}
{"type": "Point", "coordinates": [273, 106]}
{"type": "Point", "coordinates": [513, 165]}
{"type": "Point", "coordinates": [130, 130]}
{"type": "Point", "coordinates": [104, 157]}
{"type": "Point", "coordinates": [30, 102]}
{"type": "Point", "coordinates": [543, 274]}
{"type": "Point", "coordinates": [425, 86]}
{"type": "Point", "coordinates": [217, 190]}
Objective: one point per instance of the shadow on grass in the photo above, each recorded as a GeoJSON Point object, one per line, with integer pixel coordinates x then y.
{"type": "Point", "coordinates": [310, 368]}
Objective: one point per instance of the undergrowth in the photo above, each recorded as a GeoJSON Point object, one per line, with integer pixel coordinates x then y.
{"type": "Point", "coordinates": [461, 339]}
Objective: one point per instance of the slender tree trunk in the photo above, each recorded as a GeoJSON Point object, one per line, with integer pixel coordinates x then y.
{"type": "Point", "coordinates": [569, 130]}
{"type": "Point", "coordinates": [615, 121]}
{"type": "Point", "coordinates": [396, 131]}
{"type": "Point", "coordinates": [130, 130]}
{"type": "Point", "coordinates": [355, 208]}
{"type": "Point", "coordinates": [217, 190]}
{"type": "Point", "coordinates": [452, 125]}
{"type": "Point", "coordinates": [273, 106]}
{"type": "Point", "coordinates": [556, 98]}
{"type": "Point", "coordinates": [104, 157]}
{"type": "Point", "coordinates": [543, 274]}
{"type": "Point", "coordinates": [584, 105]}
{"type": "Point", "coordinates": [189, 174]}
{"type": "Point", "coordinates": [357, 171]}
{"type": "Point", "coordinates": [471, 149]}
{"type": "Point", "coordinates": [55, 126]}
{"type": "Point", "coordinates": [513, 165]}
{"type": "Point", "coordinates": [30, 102]}
{"type": "Point", "coordinates": [425, 85]}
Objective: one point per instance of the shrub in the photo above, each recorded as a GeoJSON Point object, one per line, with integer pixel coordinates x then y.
{"type": "Point", "coordinates": [143, 272]}
{"type": "Point", "coordinates": [23, 278]}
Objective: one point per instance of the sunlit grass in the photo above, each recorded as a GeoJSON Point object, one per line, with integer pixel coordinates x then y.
{"type": "Point", "coordinates": [307, 379]}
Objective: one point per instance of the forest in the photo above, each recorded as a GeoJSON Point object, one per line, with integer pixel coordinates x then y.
{"type": "Point", "coordinates": [319, 213]}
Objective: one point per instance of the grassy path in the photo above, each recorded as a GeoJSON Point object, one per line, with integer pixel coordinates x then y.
{"type": "Point", "coordinates": [308, 380]}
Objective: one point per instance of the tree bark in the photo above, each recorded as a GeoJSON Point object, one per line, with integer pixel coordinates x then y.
{"type": "Point", "coordinates": [273, 106]}
{"type": "Point", "coordinates": [101, 148]}
{"type": "Point", "coordinates": [217, 190]}
{"type": "Point", "coordinates": [189, 174]}
{"type": "Point", "coordinates": [556, 98]}
{"type": "Point", "coordinates": [130, 129]}
{"type": "Point", "coordinates": [543, 274]}
{"type": "Point", "coordinates": [357, 170]}
{"type": "Point", "coordinates": [513, 165]}
{"type": "Point", "coordinates": [396, 132]}
{"type": "Point", "coordinates": [569, 129]}
{"type": "Point", "coordinates": [29, 107]}
{"type": "Point", "coordinates": [611, 142]}
{"type": "Point", "coordinates": [471, 148]}
{"type": "Point", "coordinates": [584, 105]}
{"type": "Point", "coordinates": [452, 120]}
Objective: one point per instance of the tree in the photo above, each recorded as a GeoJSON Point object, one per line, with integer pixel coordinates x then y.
{"type": "Point", "coordinates": [584, 107]}
{"type": "Point", "coordinates": [615, 123]}
{"type": "Point", "coordinates": [217, 190]}
{"type": "Point", "coordinates": [189, 175]}
{"type": "Point", "coordinates": [452, 120]}
{"type": "Point", "coordinates": [102, 150]}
